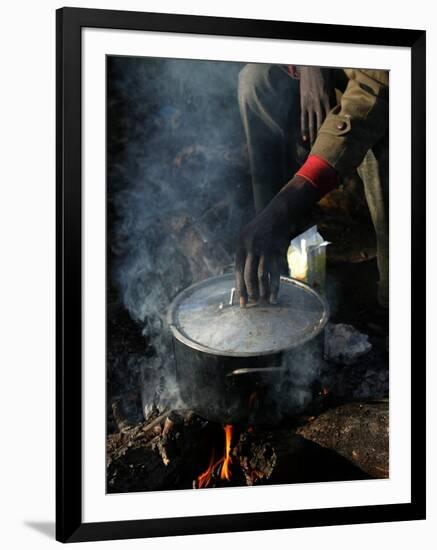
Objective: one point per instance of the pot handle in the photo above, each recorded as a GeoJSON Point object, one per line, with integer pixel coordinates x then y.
{"type": "Point", "coordinates": [231, 300]}
{"type": "Point", "coordinates": [252, 370]}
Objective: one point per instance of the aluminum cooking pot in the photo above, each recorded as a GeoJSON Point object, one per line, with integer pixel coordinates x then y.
{"type": "Point", "coordinates": [227, 357]}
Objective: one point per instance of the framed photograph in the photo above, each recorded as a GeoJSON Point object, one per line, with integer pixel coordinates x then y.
{"type": "Point", "coordinates": [240, 274]}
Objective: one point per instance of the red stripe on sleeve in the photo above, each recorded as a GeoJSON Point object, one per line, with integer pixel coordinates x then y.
{"type": "Point", "coordinates": [320, 174]}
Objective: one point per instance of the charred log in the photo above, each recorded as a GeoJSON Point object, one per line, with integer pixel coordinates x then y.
{"type": "Point", "coordinates": [162, 454]}
{"type": "Point", "coordinates": [282, 456]}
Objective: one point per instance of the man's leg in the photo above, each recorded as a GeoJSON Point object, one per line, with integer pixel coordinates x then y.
{"type": "Point", "coordinates": [269, 105]}
{"type": "Point", "coordinates": [374, 173]}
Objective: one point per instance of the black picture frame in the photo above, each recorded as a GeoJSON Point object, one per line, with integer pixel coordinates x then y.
{"type": "Point", "coordinates": [69, 525]}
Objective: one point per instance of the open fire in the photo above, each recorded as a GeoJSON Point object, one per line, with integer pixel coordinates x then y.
{"type": "Point", "coordinates": [220, 467]}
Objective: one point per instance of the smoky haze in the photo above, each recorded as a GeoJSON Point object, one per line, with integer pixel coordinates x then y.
{"type": "Point", "coordinates": [178, 193]}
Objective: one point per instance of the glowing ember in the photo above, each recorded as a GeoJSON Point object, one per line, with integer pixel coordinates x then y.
{"type": "Point", "coordinates": [223, 463]}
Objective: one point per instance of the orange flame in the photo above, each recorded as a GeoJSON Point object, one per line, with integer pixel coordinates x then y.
{"type": "Point", "coordinates": [204, 479]}
{"type": "Point", "coordinates": [225, 473]}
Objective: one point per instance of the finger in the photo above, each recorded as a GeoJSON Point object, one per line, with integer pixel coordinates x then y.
{"type": "Point", "coordinates": [304, 124]}
{"type": "Point", "coordinates": [251, 276]}
{"type": "Point", "coordinates": [240, 260]}
{"type": "Point", "coordinates": [263, 279]}
{"type": "Point", "coordinates": [312, 126]}
{"type": "Point", "coordinates": [275, 277]}
{"type": "Point", "coordinates": [320, 118]}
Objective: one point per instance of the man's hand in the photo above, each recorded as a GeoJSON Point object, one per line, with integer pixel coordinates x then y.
{"type": "Point", "coordinates": [317, 97]}
{"type": "Point", "coordinates": [263, 243]}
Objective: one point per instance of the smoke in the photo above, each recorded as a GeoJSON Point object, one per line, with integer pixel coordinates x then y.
{"type": "Point", "coordinates": [177, 193]}
{"type": "Point", "coordinates": [291, 390]}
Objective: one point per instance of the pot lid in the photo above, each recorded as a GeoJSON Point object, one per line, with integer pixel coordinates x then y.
{"type": "Point", "coordinates": [202, 318]}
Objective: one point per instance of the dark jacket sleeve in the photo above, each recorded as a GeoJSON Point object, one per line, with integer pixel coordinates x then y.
{"type": "Point", "coordinates": [357, 123]}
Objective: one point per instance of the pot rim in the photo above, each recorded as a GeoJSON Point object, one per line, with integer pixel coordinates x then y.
{"type": "Point", "coordinates": [171, 313]}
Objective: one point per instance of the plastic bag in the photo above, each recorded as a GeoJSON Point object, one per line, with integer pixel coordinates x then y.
{"type": "Point", "coordinates": [306, 258]}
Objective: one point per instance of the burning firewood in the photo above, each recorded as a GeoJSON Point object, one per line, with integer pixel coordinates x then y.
{"type": "Point", "coordinates": [218, 469]}
{"type": "Point", "coordinates": [180, 450]}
